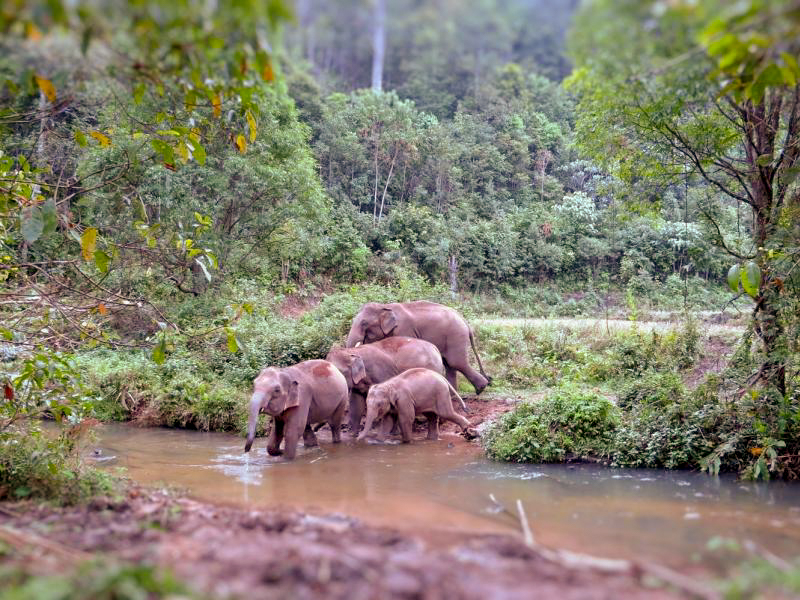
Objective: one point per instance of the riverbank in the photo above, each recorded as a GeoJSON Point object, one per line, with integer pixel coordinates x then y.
{"type": "Point", "coordinates": [224, 551]}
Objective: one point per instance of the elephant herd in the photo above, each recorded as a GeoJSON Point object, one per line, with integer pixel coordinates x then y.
{"type": "Point", "coordinates": [391, 368]}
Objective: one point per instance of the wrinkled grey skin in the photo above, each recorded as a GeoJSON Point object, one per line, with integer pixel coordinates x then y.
{"type": "Point", "coordinates": [368, 364]}
{"type": "Point", "coordinates": [413, 392]}
{"type": "Point", "coordinates": [296, 397]}
{"type": "Point", "coordinates": [440, 325]}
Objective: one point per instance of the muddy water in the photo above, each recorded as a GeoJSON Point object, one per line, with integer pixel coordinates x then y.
{"type": "Point", "coordinates": [655, 515]}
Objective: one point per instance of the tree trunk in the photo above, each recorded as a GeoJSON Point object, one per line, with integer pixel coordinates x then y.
{"type": "Point", "coordinates": [378, 44]}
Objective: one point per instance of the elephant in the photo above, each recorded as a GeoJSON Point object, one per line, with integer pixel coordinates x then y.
{"type": "Point", "coordinates": [413, 392]}
{"type": "Point", "coordinates": [368, 364]}
{"type": "Point", "coordinates": [309, 392]}
{"type": "Point", "coordinates": [441, 325]}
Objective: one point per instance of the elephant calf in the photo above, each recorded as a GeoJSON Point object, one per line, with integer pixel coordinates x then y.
{"type": "Point", "coordinates": [414, 392]}
{"type": "Point", "coordinates": [296, 397]}
{"type": "Point", "coordinates": [368, 364]}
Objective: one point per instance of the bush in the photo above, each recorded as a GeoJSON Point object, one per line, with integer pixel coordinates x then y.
{"type": "Point", "coordinates": [93, 581]}
{"type": "Point", "coordinates": [35, 465]}
{"type": "Point", "coordinates": [569, 423]}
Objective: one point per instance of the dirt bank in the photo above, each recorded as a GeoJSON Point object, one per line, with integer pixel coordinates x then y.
{"type": "Point", "coordinates": [276, 553]}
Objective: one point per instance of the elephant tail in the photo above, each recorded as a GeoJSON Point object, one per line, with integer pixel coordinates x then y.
{"type": "Point", "coordinates": [475, 350]}
{"type": "Point", "coordinates": [455, 396]}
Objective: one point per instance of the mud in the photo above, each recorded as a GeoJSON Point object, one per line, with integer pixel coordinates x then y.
{"type": "Point", "coordinates": [231, 552]}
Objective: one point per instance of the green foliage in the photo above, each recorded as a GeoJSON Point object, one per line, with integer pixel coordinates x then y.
{"type": "Point", "coordinates": [46, 465]}
{"type": "Point", "coordinates": [570, 423]}
{"type": "Point", "coordinates": [94, 581]}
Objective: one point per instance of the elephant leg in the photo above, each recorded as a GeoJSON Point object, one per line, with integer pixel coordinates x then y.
{"type": "Point", "coordinates": [444, 406]}
{"type": "Point", "coordinates": [358, 405]}
{"type": "Point", "coordinates": [335, 423]}
{"type": "Point", "coordinates": [461, 363]}
{"type": "Point", "coordinates": [292, 437]}
{"type": "Point", "coordinates": [405, 418]}
{"type": "Point", "coordinates": [275, 438]}
{"type": "Point", "coordinates": [309, 439]}
{"type": "Point", "coordinates": [451, 375]}
{"type": "Point", "coordinates": [433, 426]}
{"type": "Point", "coordinates": [387, 427]}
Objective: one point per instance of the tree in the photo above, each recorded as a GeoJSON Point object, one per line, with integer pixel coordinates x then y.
{"type": "Point", "coordinates": [685, 89]}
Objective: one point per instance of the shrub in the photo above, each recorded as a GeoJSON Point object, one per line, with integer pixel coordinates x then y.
{"type": "Point", "coordinates": [35, 465]}
{"type": "Point", "coordinates": [569, 423]}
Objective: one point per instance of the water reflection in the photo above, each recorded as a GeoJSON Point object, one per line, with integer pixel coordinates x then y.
{"type": "Point", "coordinates": [662, 516]}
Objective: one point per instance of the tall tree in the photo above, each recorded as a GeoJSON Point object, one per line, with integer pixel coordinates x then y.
{"type": "Point", "coordinates": [704, 89]}
{"type": "Point", "coordinates": [378, 43]}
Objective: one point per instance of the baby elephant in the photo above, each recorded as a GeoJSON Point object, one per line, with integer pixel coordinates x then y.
{"type": "Point", "coordinates": [413, 392]}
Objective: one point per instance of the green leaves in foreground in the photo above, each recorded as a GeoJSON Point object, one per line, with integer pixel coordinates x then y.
{"type": "Point", "coordinates": [749, 275]}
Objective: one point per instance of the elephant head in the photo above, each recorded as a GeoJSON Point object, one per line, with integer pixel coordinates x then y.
{"type": "Point", "coordinates": [274, 391]}
{"type": "Point", "coordinates": [381, 399]}
{"type": "Point", "coordinates": [350, 365]}
{"type": "Point", "coordinates": [372, 323]}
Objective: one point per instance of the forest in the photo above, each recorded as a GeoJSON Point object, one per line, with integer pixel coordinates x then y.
{"type": "Point", "coordinates": [606, 190]}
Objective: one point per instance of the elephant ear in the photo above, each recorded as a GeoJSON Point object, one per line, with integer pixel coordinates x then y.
{"type": "Point", "coordinates": [388, 321]}
{"type": "Point", "coordinates": [393, 398]}
{"type": "Point", "coordinates": [294, 395]}
{"type": "Point", "coordinates": [290, 388]}
{"type": "Point", "coordinates": [357, 370]}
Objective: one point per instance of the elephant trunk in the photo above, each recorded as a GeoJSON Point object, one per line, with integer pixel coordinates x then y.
{"type": "Point", "coordinates": [252, 422]}
{"type": "Point", "coordinates": [353, 338]}
{"type": "Point", "coordinates": [367, 424]}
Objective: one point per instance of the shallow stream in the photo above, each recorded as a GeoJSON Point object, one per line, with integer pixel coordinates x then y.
{"type": "Point", "coordinates": [668, 517]}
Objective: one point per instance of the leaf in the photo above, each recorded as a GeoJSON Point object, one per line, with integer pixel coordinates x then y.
{"type": "Point", "coordinates": [159, 351]}
{"type": "Point", "coordinates": [101, 259]}
{"type": "Point", "coordinates": [47, 87]}
{"type": "Point", "coordinates": [104, 140]}
{"type": "Point", "coordinates": [216, 105]}
{"type": "Point", "coordinates": [183, 152]}
{"type": "Point", "coordinates": [8, 391]}
{"type": "Point", "coordinates": [764, 160]}
{"type": "Point", "coordinates": [7, 334]}
{"type": "Point", "coordinates": [88, 243]}
{"type": "Point", "coordinates": [204, 268]}
{"type": "Point", "coordinates": [241, 144]}
{"type": "Point", "coordinates": [233, 345]}
{"type": "Point", "coordinates": [251, 124]}
{"type": "Point", "coordinates": [138, 93]}
{"type": "Point", "coordinates": [733, 278]}
{"type": "Point", "coordinates": [199, 154]}
{"type": "Point", "coordinates": [80, 138]}
{"type": "Point", "coordinates": [32, 224]}
{"type": "Point", "coordinates": [165, 150]}
{"type": "Point", "coordinates": [49, 216]}
{"type": "Point", "coordinates": [751, 278]}
{"type": "Point", "coordinates": [770, 76]}
{"type": "Point", "coordinates": [267, 73]}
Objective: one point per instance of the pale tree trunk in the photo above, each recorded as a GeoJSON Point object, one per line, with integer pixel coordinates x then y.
{"type": "Point", "coordinates": [388, 178]}
{"type": "Point", "coordinates": [452, 266]}
{"type": "Point", "coordinates": [378, 43]}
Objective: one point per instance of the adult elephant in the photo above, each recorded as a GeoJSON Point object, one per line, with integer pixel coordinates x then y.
{"type": "Point", "coordinates": [441, 325]}
{"type": "Point", "coordinates": [296, 397]}
{"type": "Point", "coordinates": [368, 364]}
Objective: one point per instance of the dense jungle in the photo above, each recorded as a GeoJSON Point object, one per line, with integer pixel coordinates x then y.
{"type": "Point", "coordinates": [604, 193]}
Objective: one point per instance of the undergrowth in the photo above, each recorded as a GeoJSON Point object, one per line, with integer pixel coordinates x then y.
{"type": "Point", "coordinates": [34, 464]}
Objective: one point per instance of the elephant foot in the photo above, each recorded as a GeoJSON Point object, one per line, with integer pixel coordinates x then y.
{"type": "Point", "coordinates": [274, 451]}
{"type": "Point", "coordinates": [471, 433]}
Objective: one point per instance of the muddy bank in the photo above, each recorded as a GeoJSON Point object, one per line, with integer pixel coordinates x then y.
{"type": "Point", "coordinates": [224, 551]}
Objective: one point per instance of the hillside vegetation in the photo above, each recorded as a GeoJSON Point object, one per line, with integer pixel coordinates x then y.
{"type": "Point", "coordinates": [187, 196]}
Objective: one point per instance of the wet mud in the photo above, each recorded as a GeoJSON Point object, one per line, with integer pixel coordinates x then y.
{"type": "Point", "coordinates": [234, 552]}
